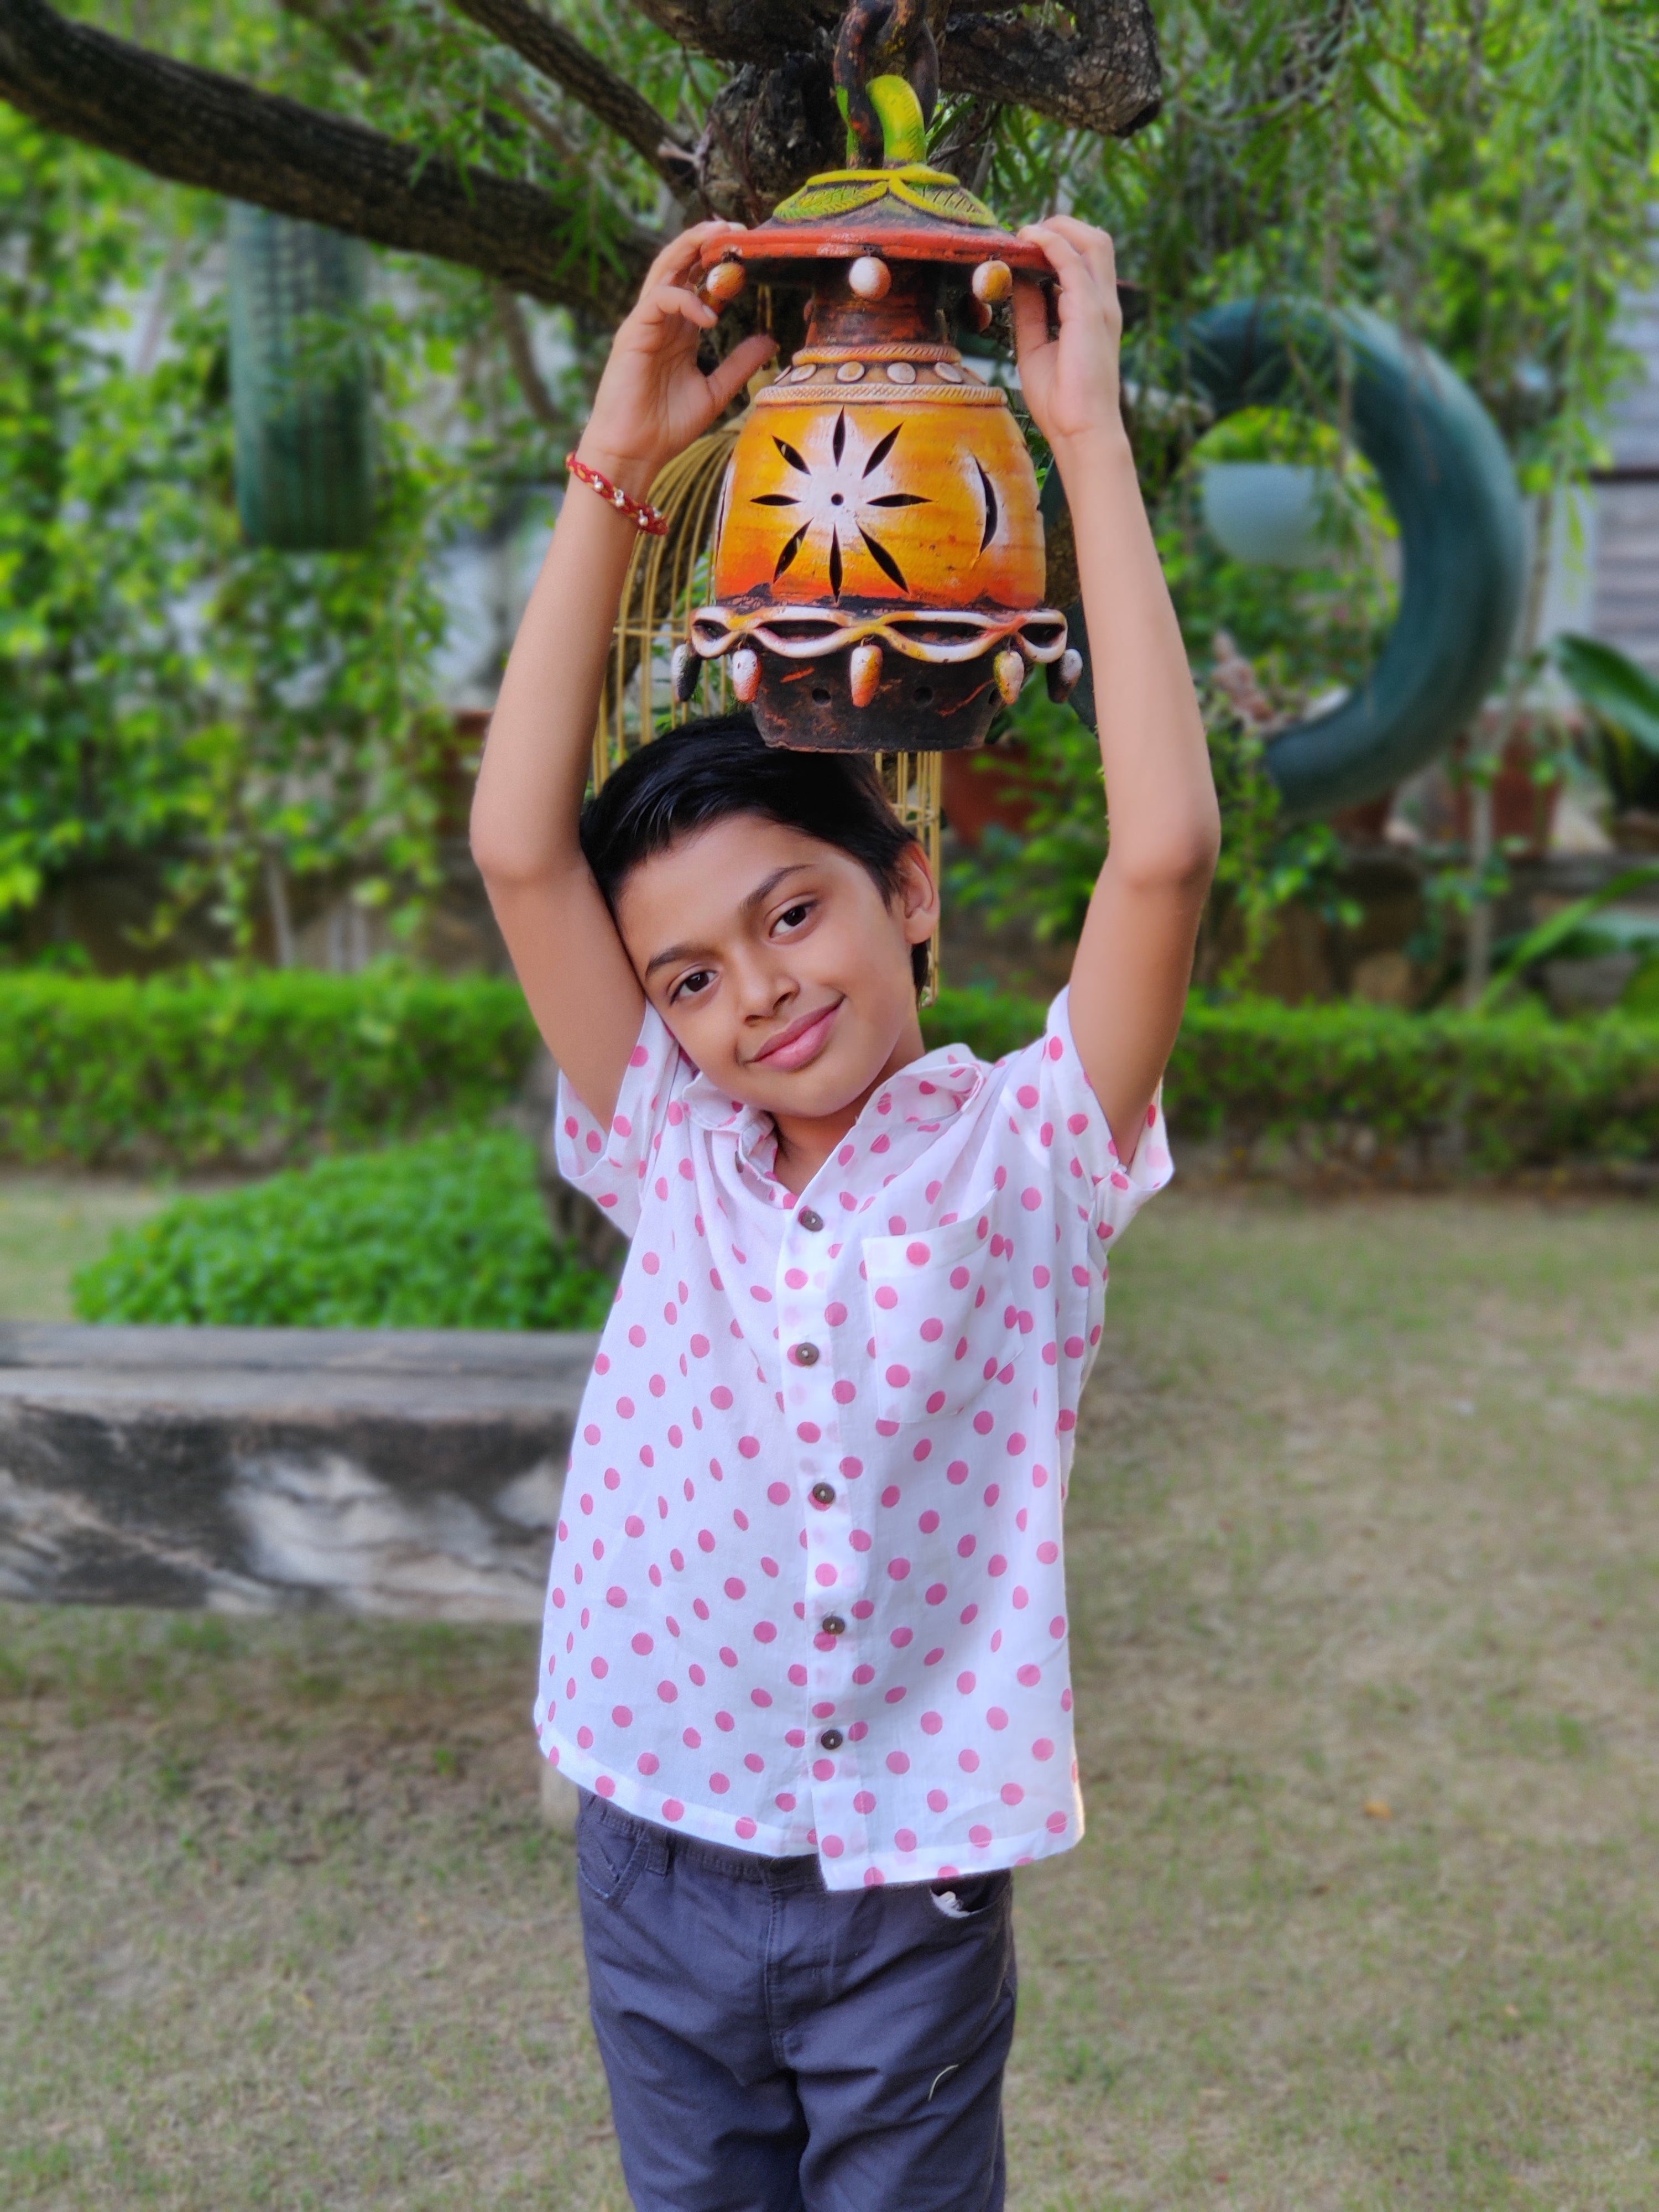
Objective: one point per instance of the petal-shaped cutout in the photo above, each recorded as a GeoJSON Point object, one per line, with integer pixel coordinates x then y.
{"type": "Point", "coordinates": [991, 510]}
{"type": "Point", "coordinates": [884, 560]}
{"type": "Point", "coordinates": [790, 551]}
{"type": "Point", "coordinates": [881, 449]}
{"type": "Point", "coordinates": [792, 456]}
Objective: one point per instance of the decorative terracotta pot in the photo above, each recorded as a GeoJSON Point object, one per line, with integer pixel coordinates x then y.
{"type": "Point", "coordinates": [998, 785]}
{"type": "Point", "coordinates": [1523, 810]}
{"type": "Point", "coordinates": [1363, 824]}
{"type": "Point", "coordinates": [878, 562]}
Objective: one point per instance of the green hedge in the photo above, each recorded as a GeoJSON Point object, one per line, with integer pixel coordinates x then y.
{"type": "Point", "coordinates": [249, 1071]}
{"type": "Point", "coordinates": [1497, 1092]}
{"type": "Point", "coordinates": [259, 1070]}
{"type": "Point", "coordinates": [451, 1233]}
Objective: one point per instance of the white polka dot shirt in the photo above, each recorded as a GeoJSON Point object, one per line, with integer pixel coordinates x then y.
{"type": "Point", "coordinates": [808, 1593]}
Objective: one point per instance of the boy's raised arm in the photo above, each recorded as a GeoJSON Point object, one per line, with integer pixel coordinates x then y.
{"type": "Point", "coordinates": [1134, 958]}
{"type": "Point", "coordinates": [653, 401]}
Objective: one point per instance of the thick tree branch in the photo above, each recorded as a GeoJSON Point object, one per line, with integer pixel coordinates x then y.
{"type": "Point", "coordinates": [199, 128]}
{"type": "Point", "coordinates": [1104, 77]}
{"type": "Point", "coordinates": [760, 30]}
{"type": "Point", "coordinates": [549, 48]}
{"type": "Point", "coordinates": [1107, 77]}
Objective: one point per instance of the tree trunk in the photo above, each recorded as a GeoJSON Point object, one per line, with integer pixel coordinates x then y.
{"type": "Point", "coordinates": [200, 128]}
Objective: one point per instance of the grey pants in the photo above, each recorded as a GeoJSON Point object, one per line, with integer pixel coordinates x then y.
{"type": "Point", "coordinates": [774, 2046]}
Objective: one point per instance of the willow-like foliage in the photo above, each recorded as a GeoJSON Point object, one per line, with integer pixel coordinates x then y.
{"type": "Point", "coordinates": [1480, 171]}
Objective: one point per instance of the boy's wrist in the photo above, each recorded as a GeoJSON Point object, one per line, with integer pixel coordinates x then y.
{"type": "Point", "coordinates": [634, 473]}
{"type": "Point", "coordinates": [1102, 445]}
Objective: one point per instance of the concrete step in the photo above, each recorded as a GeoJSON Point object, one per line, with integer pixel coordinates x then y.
{"type": "Point", "coordinates": [401, 1473]}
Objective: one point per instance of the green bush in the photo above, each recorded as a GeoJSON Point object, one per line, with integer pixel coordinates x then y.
{"type": "Point", "coordinates": [1499, 1091]}
{"type": "Point", "coordinates": [261, 1070]}
{"type": "Point", "coordinates": [447, 1234]}
{"type": "Point", "coordinates": [251, 1070]}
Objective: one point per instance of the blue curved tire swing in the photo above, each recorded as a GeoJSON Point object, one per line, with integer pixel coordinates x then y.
{"type": "Point", "coordinates": [1447, 478]}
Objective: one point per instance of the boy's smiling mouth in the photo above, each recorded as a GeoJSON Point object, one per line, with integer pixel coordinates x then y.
{"type": "Point", "coordinates": [801, 1042]}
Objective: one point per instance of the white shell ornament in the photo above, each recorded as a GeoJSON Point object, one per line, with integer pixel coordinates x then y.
{"type": "Point", "coordinates": [746, 673]}
{"type": "Point", "coordinates": [993, 284]}
{"type": "Point", "coordinates": [864, 671]}
{"type": "Point", "coordinates": [724, 281]}
{"type": "Point", "coordinates": [1008, 669]}
{"type": "Point", "coordinates": [870, 276]}
{"type": "Point", "coordinates": [1063, 675]}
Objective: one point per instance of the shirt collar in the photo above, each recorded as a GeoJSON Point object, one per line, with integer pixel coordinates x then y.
{"type": "Point", "coordinates": [930, 1091]}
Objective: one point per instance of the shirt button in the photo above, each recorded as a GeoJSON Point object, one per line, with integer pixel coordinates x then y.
{"type": "Point", "coordinates": [834, 1625]}
{"type": "Point", "coordinates": [808, 1219]}
{"type": "Point", "coordinates": [806, 1355]}
{"type": "Point", "coordinates": [824, 1493]}
{"type": "Point", "coordinates": [832, 1740]}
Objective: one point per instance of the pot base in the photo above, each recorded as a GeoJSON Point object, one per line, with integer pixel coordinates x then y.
{"type": "Point", "coordinates": [918, 706]}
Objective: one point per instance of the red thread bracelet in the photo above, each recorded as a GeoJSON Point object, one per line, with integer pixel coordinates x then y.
{"type": "Point", "coordinates": [651, 519]}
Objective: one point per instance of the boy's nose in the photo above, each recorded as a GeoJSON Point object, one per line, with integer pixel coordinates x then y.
{"type": "Point", "coordinates": [764, 989]}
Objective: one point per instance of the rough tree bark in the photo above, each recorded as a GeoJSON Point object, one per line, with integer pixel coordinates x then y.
{"type": "Point", "coordinates": [768, 129]}
{"type": "Point", "coordinates": [200, 128]}
{"type": "Point", "coordinates": [1105, 77]}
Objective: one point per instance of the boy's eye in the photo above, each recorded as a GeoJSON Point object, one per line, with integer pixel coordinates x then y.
{"type": "Point", "coordinates": [690, 985]}
{"type": "Point", "coordinates": [792, 916]}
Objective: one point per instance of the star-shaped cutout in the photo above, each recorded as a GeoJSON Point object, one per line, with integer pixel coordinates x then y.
{"type": "Point", "coordinates": [841, 498]}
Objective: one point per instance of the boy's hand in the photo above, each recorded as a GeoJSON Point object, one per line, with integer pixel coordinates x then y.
{"type": "Point", "coordinates": [1071, 382]}
{"type": "Point", "coordinates": [652, 399]}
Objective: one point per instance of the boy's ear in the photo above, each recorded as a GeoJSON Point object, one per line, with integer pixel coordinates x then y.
{"type": "Point", "coordinates": [919, 899]}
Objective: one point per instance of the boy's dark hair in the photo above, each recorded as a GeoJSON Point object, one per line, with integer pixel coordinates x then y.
{"type": "Point", "coordinates": [719, 765]}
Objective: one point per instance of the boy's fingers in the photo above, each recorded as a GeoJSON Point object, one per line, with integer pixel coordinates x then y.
{"type": "Point", "coordinates": [670, 299]}
{"type": "Point", "coordinates": [677, 257]}
{"type": "Point", "coordinates": [1030, 315]}
{"type": "Point", "coordinates": [1093, 244]}
{"type": "Point", "coordinates": [1070, 267]}
{"type": "Point", "coordinates": [734, 371]}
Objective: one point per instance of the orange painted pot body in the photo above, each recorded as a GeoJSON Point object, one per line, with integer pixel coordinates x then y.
{"type": "Point", "coordinates": [881, 491]}
{"type": "Point", "coordinates": [878, 564]}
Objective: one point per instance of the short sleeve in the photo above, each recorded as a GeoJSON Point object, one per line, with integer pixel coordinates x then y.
{"type": "Point", "coordinates": [1052, 1104]}
{"type": "Point", "coordinates": [609, 1165]}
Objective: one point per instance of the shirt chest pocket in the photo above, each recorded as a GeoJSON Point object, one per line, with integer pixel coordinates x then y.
{"type": "Point", "coordinates": [938, 1317]}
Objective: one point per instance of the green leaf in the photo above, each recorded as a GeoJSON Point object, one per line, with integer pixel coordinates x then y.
{"type": "Point", "coordinates": [1613, 686]}
{"type": "Point", "coordinates": [1550, 936]}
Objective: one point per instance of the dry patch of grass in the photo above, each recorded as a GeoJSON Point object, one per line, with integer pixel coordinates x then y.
{"type": "Point", "coordinates": [52, 1224]}
{"type": "Point", "coordinates": [1365, 1555]}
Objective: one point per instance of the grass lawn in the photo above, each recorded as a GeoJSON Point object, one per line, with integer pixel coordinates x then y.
{"type": "Point", "coordinates": [50, 1224]}
{"type": "Point", "coordinates": [1365, 1554]}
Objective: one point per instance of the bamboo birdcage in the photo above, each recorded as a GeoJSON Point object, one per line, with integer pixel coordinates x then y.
{"type": "Point", "coordinates": [666, 576]}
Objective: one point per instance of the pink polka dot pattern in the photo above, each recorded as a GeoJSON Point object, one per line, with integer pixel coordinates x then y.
{"type": "Point", "coordinates": [813, 1514]}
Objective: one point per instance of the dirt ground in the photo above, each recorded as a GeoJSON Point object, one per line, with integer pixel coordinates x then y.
{"type": "Point", "coordinates": [1364, 1556]}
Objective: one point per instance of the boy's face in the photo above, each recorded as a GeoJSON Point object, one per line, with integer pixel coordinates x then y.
{"type": "Point", "coordinates": [778, 962]}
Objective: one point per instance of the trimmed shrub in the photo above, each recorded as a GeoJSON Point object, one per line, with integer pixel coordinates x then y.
{"type": "Point", "coordinates": [256, 1071]}
{"type": "Point", "coordinates": [249, 1071]}
{"type": "Point", "coordinates": [1498, 1092]}
{"type": "Point", "coordinates": [447, 1234]}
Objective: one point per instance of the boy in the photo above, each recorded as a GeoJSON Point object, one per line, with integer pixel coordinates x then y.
{"type": "Point", "coordinates": [805, 1639]}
